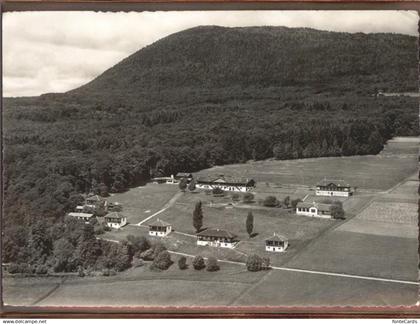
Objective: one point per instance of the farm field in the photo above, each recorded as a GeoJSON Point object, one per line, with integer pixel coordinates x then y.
{"type": "Point", "coordinates": [379, 172]}
{"type": "Point", "coordinates": [297, 289]}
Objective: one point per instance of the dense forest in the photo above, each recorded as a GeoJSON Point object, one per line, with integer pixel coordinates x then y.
{"type": "Point", "coordinates": [202, 97]}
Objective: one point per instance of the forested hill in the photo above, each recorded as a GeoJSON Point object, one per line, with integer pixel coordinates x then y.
{"type": "Point", "coordinates": [198, 98]}
{"type": "Point", "coordinates": [209, 61]}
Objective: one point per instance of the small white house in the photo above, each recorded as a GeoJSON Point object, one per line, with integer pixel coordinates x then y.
{"type": "Point", "coordinates": [337, 188]}
{"type": "Point", "coordinates": [276, 243]}
{"type": "Point", "coordinates": [172, 180]}
{"type": "Point", "coordinates": [115, 220]}
{"type": "Point", "coordinates": [159, 228]}
{"type": "Point", "coordinates": [82, 216]}
{"type": "Point", "coordinates": [216, 238]}
{"type": "Point", "coordinates": [225, 183]}
{"type": "Point", "coordinates": [313, 209]}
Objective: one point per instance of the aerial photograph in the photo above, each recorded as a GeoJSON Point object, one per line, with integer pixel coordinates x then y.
{"type": "Point", "coordinates": [210, 160]}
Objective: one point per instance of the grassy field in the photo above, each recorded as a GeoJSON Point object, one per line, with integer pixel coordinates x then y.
{"type": "Point", "coordinates": [397, 161]}
{"type": "Point", "coordinates": [297, 289]}
{"type": "Point", "coordinates": [361, 254]}
{"type": "Point", "coordinates": [141, 202]}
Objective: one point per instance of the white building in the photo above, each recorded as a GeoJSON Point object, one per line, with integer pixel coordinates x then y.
{"type": "Point", "coordinates": [333, 188]}
{"type": "Point", "coordinates": [159, 228]}
{"type": "Point", "coordinates": [216, 238]}
{"type": "Point", "coordinates": [276, 243]}
{"type": "Point", "coordinates": [225, 183]}
{"type": "Point", "coordinates": [115, 220]}
{"type": "Point", "coordinates": [82, 216]}
{"type": "Point", "coordinates": [313, 209]}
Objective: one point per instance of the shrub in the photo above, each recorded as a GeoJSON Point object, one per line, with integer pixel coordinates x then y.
{"type": "Point", "coordinates": [218, 192]}
{"type": "Point", "coordinates": [248, 198]}
{"type": "Point", "coordinates": [295, 202]}
{"type": "Point", "coordinates": [198, 263]}
{"type": "Point", "coordinates": [337, 211]}
{"type": "Point", "coordinates": [236, 197]}
{"type": "Point", "coordinates": [265, 263]}
{"type": "Point", "coordinates": [13, 268]}
{"type": "Point", "coordinates": [157, 248]}
{"type": "Point", "coordinates": [271, 201]}
{"type": "Point", "coordinates": [254, 263]}
{"type": "Point", "coordinates": [182, 263]}
{"type": "Point", "coordinates": [212, 264]}
{"type": "Point", "coordinates": [105, 272]}
{"type": "Point", "coordinates": [81, 272]}
{"type": "Point", "coordinates": [162, 261]}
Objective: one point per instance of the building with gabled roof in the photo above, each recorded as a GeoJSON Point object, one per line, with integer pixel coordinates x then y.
{"type": "Point", "coordinates": [81, 216]}
{"type": "Point", "coordinates": [184, 175]}
{"type": "Point", "coordinates": [313, 209]}
{"type": "Point", "coordinates": [216, 238]}
{"type": "Point", "coordinates": [225, 183]}
{"type": "Point", "coordinates": [276, 243]}
{"type": "Point", "coordinates": [115, 220]}
{"type": "Point", "coordinates": [159, 228]}
{"type": "Point", "coordinates": [331, 188]}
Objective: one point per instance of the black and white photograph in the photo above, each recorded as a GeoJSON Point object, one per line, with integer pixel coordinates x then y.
{"type": "Point", "coordinates": [213, 159]}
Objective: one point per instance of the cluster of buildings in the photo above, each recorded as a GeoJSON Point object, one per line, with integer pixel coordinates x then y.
{"type": "Point", "coordinates": [95, 205]}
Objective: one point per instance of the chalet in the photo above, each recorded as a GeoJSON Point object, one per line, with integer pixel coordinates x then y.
{"type": "Point", "coordinates": [96, 202]}
{"type": "Point", "coordinates": [216, 238]}
{"type": "Point", "coordinates": [82, 216]}
{"type": "Point", "coordinates": [225, 183]}
{"type": "Point", "coordinates": [79, 209]}
{"type": "Point", "coordinates": [333, 188]}
{"type": "Point", "coordinates": [313, 209]}
{"type": "Point", "coordinates": [172, 180]}
{"type": "Point", "coordinates": [115, 220]}
{"type": "Point", "coordinates": [276, 243]}
{"type": "Point", "coordinates": [182, 175]}
{"type": "Point", "coordinates": [159, 228]}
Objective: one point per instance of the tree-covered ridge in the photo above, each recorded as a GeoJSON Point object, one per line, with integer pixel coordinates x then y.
{"type": "Point", "coordinates": [156, 113]}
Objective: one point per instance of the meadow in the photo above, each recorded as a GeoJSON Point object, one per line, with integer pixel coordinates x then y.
{"type": "Point", "coordinates": [374, 172]}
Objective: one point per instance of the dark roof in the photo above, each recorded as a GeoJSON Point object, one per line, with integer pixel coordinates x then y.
{"type": "Point", "coordinates": [159, 222]}
{"type": "Point", "coordinates": [94, 198]}
{"type": "Point", "coordinates": [277, 237]}
{"type": "Point", "coordinates": [224, 179]}
{"type": "Point", "coordinates": [216, 233]}
{"type": "Point", "coordinates": [319, 206]}
{"type": "Point", "coordinates": [333, 183]}
{"type": "Point", "coordinates": [114, 215]}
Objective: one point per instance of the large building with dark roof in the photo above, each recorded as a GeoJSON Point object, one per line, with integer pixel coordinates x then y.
{"type": "Point", "coordinates": [330, 188]}
{"type": "Point", "coordinates": [216, 238]}
{"type": "Point", "coordinates": [225, 183]}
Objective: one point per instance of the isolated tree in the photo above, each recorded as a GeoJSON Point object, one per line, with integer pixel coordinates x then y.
{"type": "Point", "coordinates": [265, 263]}
{"type": "Point", "coordinates": [157, 248]}
{"type": "Point", "coordinates": [182, 263]}
{"type": "Point", "coordinates": [162, 261]}
{"type": "Point", "coordinates": [198, 262]}
{"type": "Point", "coordinates": [248, 198]}
{"type": "Point", "coordinates": [286, 201]}
{"type": "Point", "coordinates": [295, 202]}
{"type": "Point", "coordinates": [212, 264]}
{"type": "Point", "coordinates": [249, 223]}
{"type": "Point", "coordinates": [183, 184]}
{"type": "Point", "coordinates": [254, 263]}
{"type": "Point", "coordinates": [191, 185]}
{"type": "Point", "coordinates": [198, 216]}
{"type": "Point", "coordinates": [337, 211]}
{"type": "Point", "coordinates": [271, 201]}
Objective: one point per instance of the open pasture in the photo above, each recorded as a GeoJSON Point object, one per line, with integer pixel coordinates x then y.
{"type": "Point", "coordinates": [141, 202]}
{"type": "Point", "coordinates": [379, 172]}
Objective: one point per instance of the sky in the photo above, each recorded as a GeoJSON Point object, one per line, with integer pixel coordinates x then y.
{"type": "Point", "coordinates": [59, 51]}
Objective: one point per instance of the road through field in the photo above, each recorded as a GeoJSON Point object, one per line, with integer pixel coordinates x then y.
{"type": "Point", "coordinates": [169, 204]}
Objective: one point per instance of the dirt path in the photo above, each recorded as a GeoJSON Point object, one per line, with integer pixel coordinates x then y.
{"type": "Point", "coordinates": [169, 204]}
